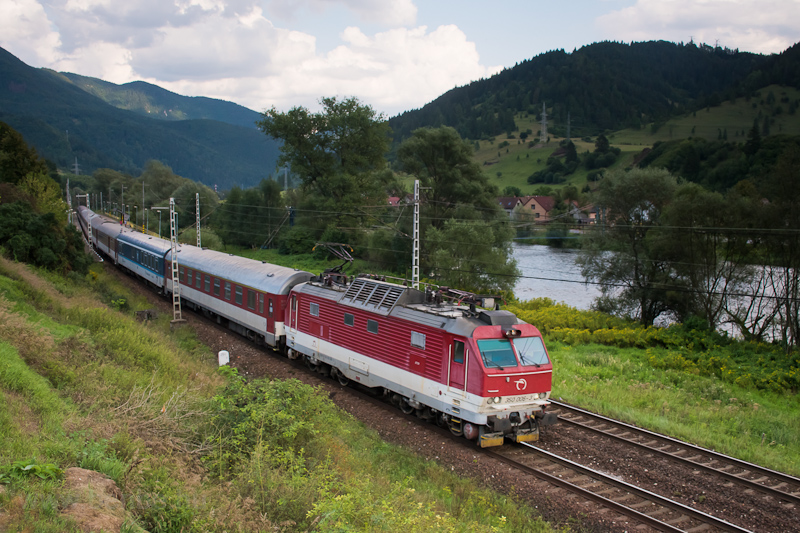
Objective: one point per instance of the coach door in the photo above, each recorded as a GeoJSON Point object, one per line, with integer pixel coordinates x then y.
{"type": "Point", "coordinates": [458, 365]}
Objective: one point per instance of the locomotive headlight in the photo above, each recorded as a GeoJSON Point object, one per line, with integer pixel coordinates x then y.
{"type": "Point", "coordinates": [497, 399]}
{"type": "Point", "coordinates": [542, 395]}
{"type": "Point", "coordinates": [489, 401]}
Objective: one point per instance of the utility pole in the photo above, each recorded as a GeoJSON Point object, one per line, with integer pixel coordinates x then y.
{"type": "Point", "coordinates": [415, 256]}
{"type": "Point", "coordinates": [69, 203]}
{"type": "Point", "coordinates": [568, 126]}
{"type": "Point", "coordinates": [176, 288]}
{"type": "Point", "coordinates": [76, 169]}
{"type": "Point", "coordinates": [543, 138]}
{"type": "Point", "coordinates": [197, 212]}
{"type": "Point", "coordinates": [159, 209]}
{"type": "Point", "coordinates": [415, 252]}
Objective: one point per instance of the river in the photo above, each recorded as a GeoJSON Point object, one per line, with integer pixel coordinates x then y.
{"type": "Point", "coordinates": [551, 273]}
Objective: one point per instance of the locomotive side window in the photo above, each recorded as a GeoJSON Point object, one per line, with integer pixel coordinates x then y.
{"type": "Point", "coordinates": [216, 287]}
{"type": "Point", "coordinates": [238, 295]}
{"type": "Point", "coordinates": [260, 304]}
{"type": "Point", "coordinates": [458, 352]}
{"type": "Point", "coordinates": [418, 339]}
{"type": "Point", "coordinates": [251, 299]}
{"type": "Point", "coordinates": [313, 309]}
{"type": "Point", "coordinates": [349, 319]}
{"type": "Point", "coordinates": [372, 326]}
{"type": "Point", "coordinates": [227, 290]}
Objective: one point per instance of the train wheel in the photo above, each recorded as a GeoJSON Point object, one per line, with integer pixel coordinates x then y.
{"type": "Point", "coordinates": [406, 407]}
{"type": "Point", "coordinates": [341, 378]}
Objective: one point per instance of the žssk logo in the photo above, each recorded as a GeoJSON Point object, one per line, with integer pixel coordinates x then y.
{"type": "Point", "coordinates": [521, 384]}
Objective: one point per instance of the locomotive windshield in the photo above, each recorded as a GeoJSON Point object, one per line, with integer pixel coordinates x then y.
{"type": "Point", "coordinates": [500, 353]}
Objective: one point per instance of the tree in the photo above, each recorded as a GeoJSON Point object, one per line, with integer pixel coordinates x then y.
{"type": "Point", "coordinates": [708, 254]}
{"type": "Point", "coordinates": [338, 154]}
{"type": "Point", "coordinates": [601, 145]}
{"type": "Point", "coordinates": [620, 255]}
{"type": "Point", "coordinates": [467, 234]}
{"type": "Point", "coordinates": [443, 163]}
{"type": "Point", "coordinates": [346, 138]}
{"type": "Point", "coordinates": [17, 160]}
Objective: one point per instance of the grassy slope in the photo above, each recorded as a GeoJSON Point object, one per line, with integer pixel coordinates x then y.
{"type": "Point", "coordinates": [83, 384]}
{"type": "Point", "coordinates": [516, 162]}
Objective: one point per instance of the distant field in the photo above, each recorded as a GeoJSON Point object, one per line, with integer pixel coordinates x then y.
{"type": "Point", "coordinates": [509, 161]}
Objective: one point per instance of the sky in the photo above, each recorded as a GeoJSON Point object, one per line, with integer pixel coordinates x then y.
{"type": "Point", "coordinates": [394, 55]}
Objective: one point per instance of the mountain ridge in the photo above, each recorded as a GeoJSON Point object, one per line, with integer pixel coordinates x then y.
{"type": "Point", "coordinates": [64, 122]}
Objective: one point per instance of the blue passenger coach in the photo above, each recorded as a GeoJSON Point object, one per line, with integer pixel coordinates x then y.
{"type": "Point", "coordinates": [143, 255]}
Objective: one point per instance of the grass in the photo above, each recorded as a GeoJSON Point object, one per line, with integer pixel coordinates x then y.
{"type": "Point", "coordinates": [753, 425]}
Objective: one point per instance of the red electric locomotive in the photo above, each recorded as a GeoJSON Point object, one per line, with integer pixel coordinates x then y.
{"type": "Point", "coordinates": [483, 373]}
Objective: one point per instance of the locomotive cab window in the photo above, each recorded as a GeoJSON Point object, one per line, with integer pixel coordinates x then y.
{"type": "Point", "coordinates": [270, 307]}
{"type": "Point", "coordinates": [531, 351]}
{"type": "Point", "coordinates": [372, 326]}
{"type": "Point", "coordinates": [313, 309]}
{"type": "Point", "coordinates": [497, 353]}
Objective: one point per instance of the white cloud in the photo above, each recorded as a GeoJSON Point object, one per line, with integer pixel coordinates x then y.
{"type": "Point", "coordinates": [26, 28]}
{"type": "Point", "coordinates": [761, 26]}
{"type": "Point", "coordinates": [390, 13]}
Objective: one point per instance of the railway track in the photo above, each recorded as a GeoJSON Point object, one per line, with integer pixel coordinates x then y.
{"type": "Point", "coordinates": [640, 505]}
{"type": "Point", "coordinates": [782, 487]}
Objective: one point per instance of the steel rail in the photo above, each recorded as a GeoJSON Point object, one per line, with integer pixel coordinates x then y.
{"type": "Point", "coordinates": [782, 478]}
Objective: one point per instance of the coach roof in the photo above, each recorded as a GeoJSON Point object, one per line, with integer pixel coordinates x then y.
{"type": "Point", "coordinates": [266, 277]}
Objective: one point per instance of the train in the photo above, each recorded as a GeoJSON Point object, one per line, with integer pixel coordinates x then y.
{"type": "Point", "coordinates": [447, 356]}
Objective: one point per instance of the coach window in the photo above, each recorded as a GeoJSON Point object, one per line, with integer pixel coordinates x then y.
{"type": "Point", "coordinates": [208, 283]}
{"type": "Point", "coordinates": [458, 352]}
{"type": "Point", "coordinates": [190, 277]}
{"type": "Point", "coordinates": [260, 304]}
{"type": "Point", "coordinates": [251, 299]}
{"type": "Point", "coordinates": [199, 280]}
{"type": "Point", "coordinates": [349, 319]}
{"type": "Point", "coordinates": [216, 287]}
{"type": "Point", "coordinates": [372, 326]}
{"type": "Point", "coordinates": [227, 290]}
{"type": "Point", "coordinates": [270, 307]}
{"type": "Point", "coordinates": [314, 309]}
{"type": "Point", "coordinates": [238, 295]}
{"type": "Point", "coordinates": [418, 340]}
{"type": "Point", "coordinates": [183, 278]}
